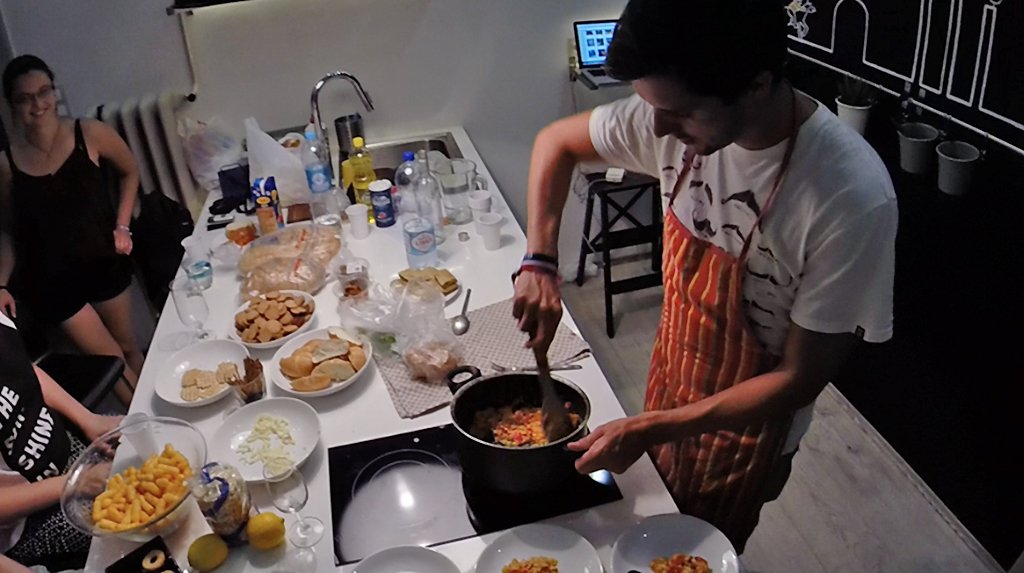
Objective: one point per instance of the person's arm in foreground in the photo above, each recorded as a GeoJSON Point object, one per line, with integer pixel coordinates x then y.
{"type": "Point", "coordinates": [556, 150]}
{"type": "Point", "coordinates": [810, 360]}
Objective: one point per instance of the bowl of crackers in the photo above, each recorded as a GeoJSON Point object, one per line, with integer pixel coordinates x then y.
{"type": "Point", "coordinates": [134, 481]}
{"type": "Point", "coordinates": [320, 362]}
{"type": "Point", "coordinates": [202, 373]}
{"type": "Point", "coordinates": [272, 318]}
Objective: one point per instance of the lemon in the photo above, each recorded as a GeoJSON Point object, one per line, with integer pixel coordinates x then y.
{"type": "Point", "coordinates": [207, 552]}
{"type": "Point", "coordinates": [265, 531]}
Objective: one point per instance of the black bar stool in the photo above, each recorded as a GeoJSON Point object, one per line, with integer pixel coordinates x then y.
{"type": "Point", "coordinates": [606, 240]}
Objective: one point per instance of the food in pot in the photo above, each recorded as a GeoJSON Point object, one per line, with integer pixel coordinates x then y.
{"type": "Point", "coordinates": [137, 495]}
{"type": "Point", "coordinates": [680, 563]}
{"type": "Point", "coordinates": [272, 316]}
{"type": "Point", "coordinates": [539, 564]}
{"type": "Point", "coordinates": [514, 427]}
{"type": "Point", "coordinates": [321, 362]}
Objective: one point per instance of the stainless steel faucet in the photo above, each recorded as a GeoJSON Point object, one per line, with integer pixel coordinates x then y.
{"type": "Point", "coordinates": [314, 99]}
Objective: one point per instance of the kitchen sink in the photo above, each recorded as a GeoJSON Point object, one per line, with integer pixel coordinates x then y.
{"type": "Point", "coordinates": [388, 154]}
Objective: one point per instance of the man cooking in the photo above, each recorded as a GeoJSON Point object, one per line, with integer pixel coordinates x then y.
{"type": "Point", "coordinates": [779, 234]}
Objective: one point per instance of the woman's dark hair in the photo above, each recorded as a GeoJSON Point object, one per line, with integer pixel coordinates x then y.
{"type": "Point", "coordinates": [20, 66]}
{"type": "Point", "coordinates": [714, 47]}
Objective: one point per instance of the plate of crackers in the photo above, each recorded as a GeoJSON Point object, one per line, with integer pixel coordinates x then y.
{"type": "Point", "coordinates": [320, 362]}
{"type": "Point", "coordinates": [270, 319]}
{"type": "Point", "coordinates": [201, 373]}
{"type": "Point", "coordinates": [443, 279]}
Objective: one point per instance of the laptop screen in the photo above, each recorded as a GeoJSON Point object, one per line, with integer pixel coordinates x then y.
{"type": "Point", "coordinates": [592, 40]}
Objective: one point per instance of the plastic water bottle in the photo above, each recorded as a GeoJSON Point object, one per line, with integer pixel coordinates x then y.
{"type": "Point", "coordinates": [420, 242]}
{"type": "Point", "coordinates": [318, 177]}
{"type": "Point", "coordinates": [425, 191]}
{"type": "Point", "coordinates": [404, 177]}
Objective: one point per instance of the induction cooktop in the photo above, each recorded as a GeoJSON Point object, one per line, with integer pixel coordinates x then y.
{"type": "Point", "coordinates": [408, 489]}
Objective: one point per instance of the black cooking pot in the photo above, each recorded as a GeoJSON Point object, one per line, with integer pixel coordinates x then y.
{"type": "Point", "coordinates": [505, 469]}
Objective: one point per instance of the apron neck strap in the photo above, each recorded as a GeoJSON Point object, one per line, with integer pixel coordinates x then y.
{"type": "Point", "coordinates": [690, 154]}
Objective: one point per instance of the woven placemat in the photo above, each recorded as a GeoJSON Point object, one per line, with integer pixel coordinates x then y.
{"type": "Point", "coordinates": [492, 336]}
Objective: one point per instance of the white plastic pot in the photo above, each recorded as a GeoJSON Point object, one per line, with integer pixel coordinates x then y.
{"type": "Point", "coordinates": [916, 143]}
{"type": "Point", "coordinates": [956, 166]}
{"type": "Point", "coordinates": [856, 116]}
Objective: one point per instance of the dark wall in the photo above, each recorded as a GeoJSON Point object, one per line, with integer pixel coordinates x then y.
{"type": "Point", "coordinates": [940, 390]}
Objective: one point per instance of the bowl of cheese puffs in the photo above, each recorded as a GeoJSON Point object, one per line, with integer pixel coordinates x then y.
{"type": "Point", "coordinates": [135, 481]}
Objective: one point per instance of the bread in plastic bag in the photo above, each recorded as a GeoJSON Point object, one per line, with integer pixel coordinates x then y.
{"type": "Point", "coordinates": [301, 274]}
{"type": "Point", "coordinates": [425, 339]}
{"type": "Point", "coordinates": [316, 243]}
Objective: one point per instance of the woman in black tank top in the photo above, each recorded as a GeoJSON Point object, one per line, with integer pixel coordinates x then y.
{"type": "Point", "coordinates": [63, 247]}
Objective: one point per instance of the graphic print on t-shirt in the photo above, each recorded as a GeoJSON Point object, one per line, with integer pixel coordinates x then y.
{"type": "Point", "coordinates": [32, 437]}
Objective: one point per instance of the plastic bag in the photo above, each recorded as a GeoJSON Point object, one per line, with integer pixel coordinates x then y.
{"type": "Point", "coordinates": [268, 157]}
{"type": "Point", "coordinates": [209, 147]}
{"type": "Point", "coordinates": [320, 243]}
{"type": "Point", "coordinates": [301, 274]}
{"type": "Point", "coordinates": [425, 339]}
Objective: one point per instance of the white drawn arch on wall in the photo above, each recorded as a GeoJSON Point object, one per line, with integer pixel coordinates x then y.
{"type": "Point", "coordinates": [988, 28]}
{"type": "Point", "coordinates": [864, 45]}
{"type": "Point", "coordinates": [955, 8]}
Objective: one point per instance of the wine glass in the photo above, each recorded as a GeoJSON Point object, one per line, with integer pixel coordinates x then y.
{"type": "Point", "coordinates": [289, 493]}
{"type": "Point", "coordinates": [191, 307]}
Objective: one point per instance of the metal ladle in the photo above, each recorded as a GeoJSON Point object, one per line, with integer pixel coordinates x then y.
{"type": "Point", "coordinates": [460, 322]}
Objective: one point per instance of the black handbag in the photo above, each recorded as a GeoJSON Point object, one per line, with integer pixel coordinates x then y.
{"type": "Point", "coordinates": [156, 243]}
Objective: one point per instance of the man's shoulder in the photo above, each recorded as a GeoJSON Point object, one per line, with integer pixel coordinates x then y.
{"type": "Point", "coordinates": [835, 157]}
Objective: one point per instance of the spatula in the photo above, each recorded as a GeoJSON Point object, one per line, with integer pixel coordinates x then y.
{"type": "Point", "coordinates": [556, 420]}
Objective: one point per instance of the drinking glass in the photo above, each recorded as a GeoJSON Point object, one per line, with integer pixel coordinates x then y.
{"type": "Point", "coordinates": [288, 492]}
{"type": "Point", "coordinates": [191, 307]}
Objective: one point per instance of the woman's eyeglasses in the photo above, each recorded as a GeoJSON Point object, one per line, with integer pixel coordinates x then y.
{"type": "Point", "coordinates": [26, 99]}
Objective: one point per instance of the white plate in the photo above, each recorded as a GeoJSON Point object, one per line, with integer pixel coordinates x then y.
{"type": "Point", "coordinates": [303, 425]}
{"type": "Point", "coordinates": [665, 535]}
{"type": "Point", "coordinates": [573, 552]}
{"type": "Point", "coordinates": [282, 381]}
{"type": "Point", "coordinates": [233, 332]}
{"type": "Point", "coordinates": [205, 355]}
{"type": "Point", "coordinates": [406, 559]}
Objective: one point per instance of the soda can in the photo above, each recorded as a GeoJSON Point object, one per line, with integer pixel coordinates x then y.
{"type": "Point", "coordinates": [380, 199]}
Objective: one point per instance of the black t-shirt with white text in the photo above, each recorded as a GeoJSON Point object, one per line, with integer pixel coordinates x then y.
{"type": "Point", "coordinates": [33, 441]}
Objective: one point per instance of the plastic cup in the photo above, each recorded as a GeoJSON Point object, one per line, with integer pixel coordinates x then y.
{"type": "Point", "coordinates": [358, 221]}
{"type": "Point", "coordinates": [489, 228]}
{"type": "Point", "coordinates": [135, 429]}
{"type": "Point", "coordinates": [480, 201]}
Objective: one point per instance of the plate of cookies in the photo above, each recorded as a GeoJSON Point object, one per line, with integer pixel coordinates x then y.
{"type": "Point", "coordinates": [320, 362]}
{"type": "Point", "coordinates": [202, 373]}
{"type": "Point", "coordinates": [272, 318]}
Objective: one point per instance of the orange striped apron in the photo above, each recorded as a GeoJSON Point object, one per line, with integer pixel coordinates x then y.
{"type": "Point", "coordinates": [703, 346]}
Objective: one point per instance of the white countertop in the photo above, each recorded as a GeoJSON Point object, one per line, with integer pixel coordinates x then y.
{"type": "Point", "coordinates": [364, 411]}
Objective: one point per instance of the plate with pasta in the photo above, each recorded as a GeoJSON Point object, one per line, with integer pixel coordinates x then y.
{"type": "Point", "coordinates": [673, 543]}
{"type": "Point", "coordinates": [539, 548]}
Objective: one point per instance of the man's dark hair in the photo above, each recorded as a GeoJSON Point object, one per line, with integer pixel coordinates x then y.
{"type": "Point", "coordinates": [20, 66]}
{"type": "Point", "coordinates": [714, 47]}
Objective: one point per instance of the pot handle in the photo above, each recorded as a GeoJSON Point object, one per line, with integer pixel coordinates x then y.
{"type": "Point", "coordinates": [454, 384]}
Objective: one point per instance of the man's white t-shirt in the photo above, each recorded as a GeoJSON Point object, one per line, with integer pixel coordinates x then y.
{"type": "Point", "coordinates": [824, 257]}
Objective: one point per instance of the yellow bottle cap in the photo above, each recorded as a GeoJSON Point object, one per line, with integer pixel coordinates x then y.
{"type": "Point", "coordinates": [357, 142]}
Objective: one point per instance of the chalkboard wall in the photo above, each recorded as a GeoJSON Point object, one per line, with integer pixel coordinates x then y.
{"type": "Point", "coordinates": [964, 58]}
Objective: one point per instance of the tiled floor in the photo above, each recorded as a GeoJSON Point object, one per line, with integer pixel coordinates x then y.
{"type": "Point", "coordinates": [852, 504]}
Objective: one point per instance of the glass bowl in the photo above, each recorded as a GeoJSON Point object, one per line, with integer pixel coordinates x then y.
{"type": "Point", "coordinates": [129, 445]}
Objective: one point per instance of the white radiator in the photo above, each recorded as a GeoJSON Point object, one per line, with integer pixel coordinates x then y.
{"type": "Point", "coordinates": [149, 126]}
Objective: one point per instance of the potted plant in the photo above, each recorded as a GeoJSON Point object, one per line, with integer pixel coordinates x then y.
{"type": "Point", "coordinates": [854, 103]}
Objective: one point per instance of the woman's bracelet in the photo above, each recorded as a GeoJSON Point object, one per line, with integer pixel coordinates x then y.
{"type": "Point", "coordinates": [124, 228]}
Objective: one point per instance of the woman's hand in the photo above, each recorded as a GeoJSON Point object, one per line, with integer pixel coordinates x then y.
{"type": "Point", "coordinates": [7, 305]}
{"type": "Point", "coordinates": [122, 241]}
{"type": "Point", "coordinates": [613, 446]}
{"type": "Point", "coordinates": [96, 425]}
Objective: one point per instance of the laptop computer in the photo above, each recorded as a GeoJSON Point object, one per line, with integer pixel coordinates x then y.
{"type": "Point", "coordinates": [592, 40]}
